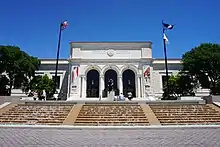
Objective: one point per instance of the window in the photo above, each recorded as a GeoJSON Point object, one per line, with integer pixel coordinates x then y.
{"type": "Point", "coordinates": [164, 80]}
{"type": "Point", "coordinates": [58, 81]}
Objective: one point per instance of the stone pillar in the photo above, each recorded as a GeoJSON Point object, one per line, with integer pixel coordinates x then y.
{"type": "Point", "coordinates": [142, 87]}
{"type": "Point", "coordinates": [82, 82]}
{"type": "Point", "coordinates": [69, 87]}
{"type": "Point", "coordinates": [84, 86]}
{"type": "Point", "coordinates": [120, 84]}
{"type": "Point", "coordinates": [101, 85]}
{"type": "Point", "coordinates": [138, 87]}
{"type": "Point", "coordinates": [79, 86]}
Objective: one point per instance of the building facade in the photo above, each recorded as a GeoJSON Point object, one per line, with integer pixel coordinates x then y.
{"type": "Point", "coordinates": [129, 65]}
{"type": "Point", "coordinates": [91, 65]}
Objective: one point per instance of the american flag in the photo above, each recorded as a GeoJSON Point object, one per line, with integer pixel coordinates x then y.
{"type": "Point", "coordinates": [147, 72]}
{"type": "Point", "coordinates": [64, 25]}
{"type": "Point", "coordinates": [75, 73]}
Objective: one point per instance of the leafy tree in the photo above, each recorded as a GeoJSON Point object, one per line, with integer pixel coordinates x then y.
{"type": "Point", "coordinates": [17, 64]}
{"type": "Point", "coordinates": [218, 88]}
{"type": "Point", "coordinates": [179, 85]}
{"type": "Point", "coordinates": [3, 86]}
{"type": "Point", "coordinates": [204, 60]}
{"type": "Point", "coordinates": [40, 83]}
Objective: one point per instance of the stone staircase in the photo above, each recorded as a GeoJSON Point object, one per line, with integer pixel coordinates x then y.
{"type": "Point", "coordinates": [50, 114]}
{"type": "Point", "coordinates": [109, 114]}
{"type": "Point", "coordinates": [186, 114]}
{"type": "Point", "coordinates": [112, 114]}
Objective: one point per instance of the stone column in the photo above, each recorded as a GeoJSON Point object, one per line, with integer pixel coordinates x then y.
{"type": "Point", "coordinates": [79, 86]}
{"type": "Point", "coordinates": [101, 85]}
{"type": "Point", "coordinates": [142, 87]}
{"type": "Point", "coordinates": [138, 87]}
{"type": "Point", "coordinates": [120, 84]}
{"type": "Point", "coordinates": [84, 86]}
{"type": "Point", "coordinates": [69, 86]}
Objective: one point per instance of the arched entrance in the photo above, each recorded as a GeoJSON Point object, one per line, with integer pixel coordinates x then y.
{"type": "Point", "coordinates": [111, 77]}
{"type": "Point", "coordinates": [129, 82]}
{"type": "Point", "coordinates": [92, 80]}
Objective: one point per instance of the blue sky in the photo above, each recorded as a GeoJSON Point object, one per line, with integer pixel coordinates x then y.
{"type": "Point", "coordinates": [33, 25]}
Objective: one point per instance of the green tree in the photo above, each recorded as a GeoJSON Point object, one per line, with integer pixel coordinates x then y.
{"type": "Point", "coordinates": [218, 88]}
{"type": "Point", "coordinates": [179, 85]}
{"type": "Point", "coordinates": [3, 86]}
{"type": "Point", "coordinates": [18, 65]}
{"type": "Point", "coordinates": [204, 60]}
{"type": "Point", "coordinates": [40, 83]}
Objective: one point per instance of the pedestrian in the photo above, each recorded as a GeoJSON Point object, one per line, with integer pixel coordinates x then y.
{"type": "Point", "coordinates": [44, 95]}
{"type": "Point", "coordinates": [35, 96]}
{"type": "Point", "coordinates": [130, 96]}
{"type": "Point", "coordinates": [121, 97]}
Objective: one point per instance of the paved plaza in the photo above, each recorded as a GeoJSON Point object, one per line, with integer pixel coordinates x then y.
{"type": "Point", "coordinates": [153, 137]}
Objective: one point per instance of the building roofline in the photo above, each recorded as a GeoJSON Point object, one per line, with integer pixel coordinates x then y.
{"type": "Point", "coordinates": [167, 59]}
{"type": "Point", "coordinates": [51, 59]}
{"type": "Point", "coordinates": [111, 42]}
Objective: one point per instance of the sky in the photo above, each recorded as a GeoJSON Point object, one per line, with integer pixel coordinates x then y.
{"type": "Point", "coordinates": [33, 25]}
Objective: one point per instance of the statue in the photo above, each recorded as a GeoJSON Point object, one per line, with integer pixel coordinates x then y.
{"type": "Point", "coordinates": [110, 85]}
{"type": "Point", "coordinates": [129, 82]}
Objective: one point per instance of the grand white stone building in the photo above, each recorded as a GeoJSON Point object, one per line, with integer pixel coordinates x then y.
{"type": "Point", "coordinates": [129, 64]}
{"type": "Point", "coordinates": [90, 66]}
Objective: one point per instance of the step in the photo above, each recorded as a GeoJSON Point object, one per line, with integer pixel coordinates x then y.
{"type": "Point", "coordinates": [49, 124]}
{"type": "Point", "coordinates": [13, 121]}
{"type": "Point", "coordinates": [31, 118]}
{"type": "Point", "coordinates": [111, 117]}
{"type": "Point", "coordinates": [205, 123]}
{"type": "Point", "coordinates": [36, 112]}
{"type": "Point", "coordinates": [186, 114]}
{"type": "Point", "coordinates": [192, 116]}
{"type": "Point", "coordinates": [187, 121]}
{"type": "Point", "coordinates": [16, 113]}
{"type": "Point", "coordinates": [51, 121]}
{"type": "Point", "coordinates": [111, 122]}
{"type": "Point", "coordinates": [160, 113]}
{"type": "Point", "coordinates": [166, 119]}
{"type": "Point", "coordinates": [113, 104]}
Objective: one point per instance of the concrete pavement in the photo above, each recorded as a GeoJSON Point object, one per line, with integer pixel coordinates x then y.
{"type": "Point", "coordinates": [58, 137]}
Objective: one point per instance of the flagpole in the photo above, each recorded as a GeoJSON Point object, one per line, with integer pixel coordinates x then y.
{"type": "Point", "coordinates": [58, 53]}
{"type": "Point", "coordinates": [166, 66]}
